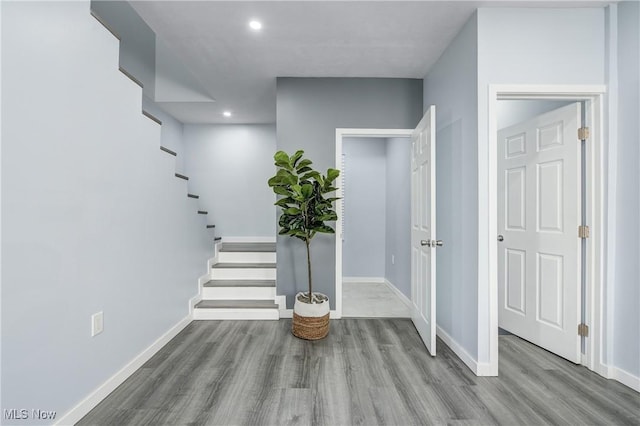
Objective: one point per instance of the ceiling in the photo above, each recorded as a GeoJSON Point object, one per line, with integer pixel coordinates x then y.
{"type": "Point", "coordinates": [237, 67]}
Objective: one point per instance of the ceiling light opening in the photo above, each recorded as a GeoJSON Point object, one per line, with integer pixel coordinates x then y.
{"type": "Point", "coordinates": [227, 113]}
{"type": "Point", "coordinates": [255, 25]}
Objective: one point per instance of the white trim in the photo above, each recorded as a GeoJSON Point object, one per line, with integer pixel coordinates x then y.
{"type": "Point", "coordinates": [363, 280]}
{"type": "Point", "coordinates": [340, 134]}
{"type": "Point", "coordinates": [248, 239]}
{"type": "Point", "coordinates": [457, 349]}
{"type": "Point", "coordinates": [404, 299]}
{"type": "Point", "coordinates": [625, 378]}
{"type": "Point", "coordinates": [487, 218]}
{"type": "Point", "coordinates": [91, 401]}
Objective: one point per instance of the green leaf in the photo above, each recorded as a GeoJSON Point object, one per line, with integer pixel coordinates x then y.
{"type": "Point", "coordinates": [302, 164]}
{"type": "Point", "coordinates": [281, 157]}
{"type": "Point", "coordinates": [324, 229]}
{"type": "Point", "coordinates": [332, 174]}
{"type": "Point", "coordinates": [292, 211]}
{"type": "Point", "coordinates": [282, 202]}
{"type": "Point", "coordinates": [281, 190]}
{"type": "Point", "coordinates": [309, 175]}
{"type": "Point", "coordinates": [295, 157]}
{"type": "Point", "coordinates": [307, 190]}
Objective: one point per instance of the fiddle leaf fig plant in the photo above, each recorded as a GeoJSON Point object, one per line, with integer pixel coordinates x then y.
{"type": "Point", "coordinates": [305, 209]}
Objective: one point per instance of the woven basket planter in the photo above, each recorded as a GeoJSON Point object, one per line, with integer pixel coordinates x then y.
{"type": "Point", "coordinates": [310, 321]}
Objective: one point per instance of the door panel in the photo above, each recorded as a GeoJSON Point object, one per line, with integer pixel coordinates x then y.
{"type": "Point", "coordinates": [539, 207]}
{"type": "Point", "coordinates": [423, 225]}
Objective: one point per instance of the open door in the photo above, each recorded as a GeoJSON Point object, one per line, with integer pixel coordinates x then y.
{"type": "Point", "coordinates": [539, 208]}
{"type": "Point", "coordinates": [423, 229]}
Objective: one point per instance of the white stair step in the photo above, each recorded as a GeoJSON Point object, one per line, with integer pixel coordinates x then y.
{"type": "Point", "coordinates": [244, 271]}
{"type": "Point", "coordinates": [238, 292]}
{"type": "Point", "coordinates": [246, 256]}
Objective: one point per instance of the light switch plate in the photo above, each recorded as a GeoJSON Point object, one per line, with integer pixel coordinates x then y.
{"type": "Point", "coordinates": [97, 323]}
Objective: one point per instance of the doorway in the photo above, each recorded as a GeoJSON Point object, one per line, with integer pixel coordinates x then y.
{"type": "Point", "coordinates": [539, 212]}
{"type": "Point", "coordinates": [589, 307]}
{"type": "Point", "coordinates": [363, 254]}
{"type": "Point", "coordinates": [375, 218]}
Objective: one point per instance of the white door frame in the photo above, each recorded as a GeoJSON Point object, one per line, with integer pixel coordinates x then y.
{"type": "Point", "coordinates": [595, 166]}
{"type": "Point", "coordinates": [340, 135]}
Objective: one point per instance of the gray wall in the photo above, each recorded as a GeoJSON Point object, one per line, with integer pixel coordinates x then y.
{"type": "Point", "coordinates": [171, 135]}
{"type": "Point", "coordinates": [398, 214]}
{"type": "Point", "coordinates": [308, 112]}
{"type": "Point", "coordinates": [92, 217]}
{"type": "Point", "coordinates": [363, 248]}
{"type": "Point", "coordinates": [563, 46]}
{"type": "Point", "coordinates": [626, 314]}
{"type": "Point", "coordinates": [451, 86]}
{"type": "Point", "coordinates": [228, 166]}
{"type": "Point", "coordinates": [138, 41]}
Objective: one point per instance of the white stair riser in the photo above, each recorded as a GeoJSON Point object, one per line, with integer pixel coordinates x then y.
{"type": "Point", "coordinates": [236, 314]}
{"type": "Point", "coordinates": [249, 257]}
{"type": "Point", "coordinates": [231, 293]}
{"type": "Point", "coordinates": [243, 273]}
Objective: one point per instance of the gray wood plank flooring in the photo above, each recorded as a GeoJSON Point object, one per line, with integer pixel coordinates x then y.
{"type": "Point", "coordinates": [366, 372]}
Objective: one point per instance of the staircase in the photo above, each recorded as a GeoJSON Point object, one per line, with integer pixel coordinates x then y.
{"type": "Point", "coordinates": [241, 285]}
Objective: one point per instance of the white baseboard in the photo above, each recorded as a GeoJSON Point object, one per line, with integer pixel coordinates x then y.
{"type": "Point", "coordinates": [625, 378]}
{"type": "Point", "coordinates": [404, 299]}
{"type": "Point", "coordinates": [248, 239]}
{"type": "Point", "coordinates": [87, 404]}
{"type": "Point", "coordinates": [363, 279]}
{"type": "Point", "coordinates": [460, 352]}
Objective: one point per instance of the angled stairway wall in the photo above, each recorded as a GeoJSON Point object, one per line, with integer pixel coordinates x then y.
{"type": "Point", "coordinates": [93, 218]}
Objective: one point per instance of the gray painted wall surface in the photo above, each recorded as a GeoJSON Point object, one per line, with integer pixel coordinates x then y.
{"type": "Point", "coordinates": [363, 247]}
{"type": "Point", "coordinates": [308, 112]}
{"type": "Point", "coordinates": [451, 86]}
{"type": "Point", "coordinates": [563, 46]}
{"type": "Point", "coordinates": [627, 270]}
{"type": "Point", "coordinates": [398, 214]}
{"type": "Point", "coordinates": [228, 166]}
{"type": "Point", "coordinates": [138, 41]}
{"type": "Point", "coordinates": [92, 217]}
{"type": "Point", "coordinates": [171, 133]}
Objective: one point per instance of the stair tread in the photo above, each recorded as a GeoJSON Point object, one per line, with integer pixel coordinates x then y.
{"type": "Point", "coordinates": [244, 265]}
{"type": "Point", "coordinates": [240, 283]}
{"type": "Point", "coordinates": [236, 304]}
{"type": "Point", "coordinates": [248, 247]}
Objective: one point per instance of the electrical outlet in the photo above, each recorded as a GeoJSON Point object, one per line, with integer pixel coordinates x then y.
{"type": "Point", "coordinates": [97, 323]}
{"type": "Point", "coordinates": [393, 260]}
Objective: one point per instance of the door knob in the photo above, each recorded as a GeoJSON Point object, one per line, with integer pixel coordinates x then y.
{"type": "Point", "coordinates": [436, 243]}
{"type": "Point", "coordinates": [424, 243]}
{"type": "Point", "coordinates": [500, 238]}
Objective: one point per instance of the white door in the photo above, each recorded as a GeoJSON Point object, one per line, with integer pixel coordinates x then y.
{"type": "Point", "coordinates": [539, 201]}
{"type": "Point", "coordinates": [423, 229]}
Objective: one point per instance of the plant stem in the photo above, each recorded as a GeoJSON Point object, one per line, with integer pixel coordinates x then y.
{"type": "Point", "coordinates": [309, 270]}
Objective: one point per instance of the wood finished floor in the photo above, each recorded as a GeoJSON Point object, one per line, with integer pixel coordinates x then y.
{"type": "Point", "coordinates": [366, 372]}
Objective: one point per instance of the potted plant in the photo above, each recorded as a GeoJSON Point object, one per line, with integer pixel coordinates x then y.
{"type": "Point", "coordinates": [305, 211]}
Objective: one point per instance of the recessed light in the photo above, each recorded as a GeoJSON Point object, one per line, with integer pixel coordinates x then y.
{"type": "Point", "coordinates": [255, 25]}
{"type": "Point", "coordinates": [227, 113]}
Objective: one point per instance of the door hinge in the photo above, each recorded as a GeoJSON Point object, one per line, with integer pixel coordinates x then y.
{"type": "Point", "coordinates": [583, 231]}
{"type": "Point", "coordinates": [583, 330]}
{"type": "Point", "coordinates": [583, 133]}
